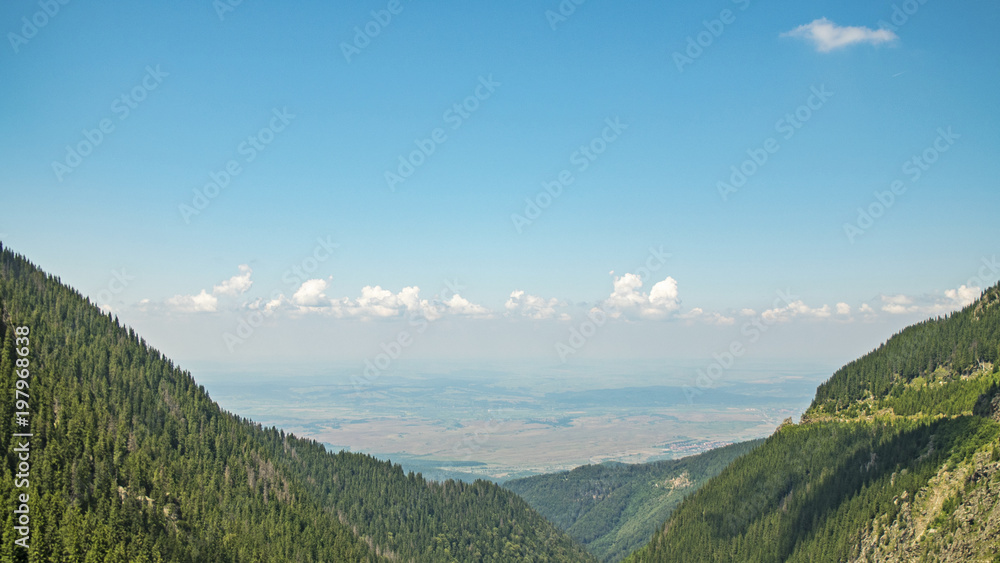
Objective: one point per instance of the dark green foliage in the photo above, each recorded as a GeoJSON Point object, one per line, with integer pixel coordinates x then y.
{"type": "Point", "coordinates": [988, 403]}
{"type": "Point", "coordinates": [613, 509]}
{"type": "Point", "coordinates": [960, 342]}
{"type": "Point", "coordinates": [808, 492]}
{"type": "Point", "coordinates": [133, 462]}
{"type": "Point", "coordinates": [953, 398]}
{"type": "Point", "coordinates": [812, 491]}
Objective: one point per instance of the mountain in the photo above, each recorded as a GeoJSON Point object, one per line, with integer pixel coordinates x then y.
{"type": "Point", "coordinates": [895, 460]}
{"type": "Point", "coordinates": [117, 455]}
{"type": "Point", "coordinates": [614, 508]}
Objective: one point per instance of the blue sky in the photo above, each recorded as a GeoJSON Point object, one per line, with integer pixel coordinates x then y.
{"type": "Point", "coordinates": [199, 81]}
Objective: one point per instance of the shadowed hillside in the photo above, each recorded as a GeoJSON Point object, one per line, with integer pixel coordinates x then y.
{"type": "Point", "coordinates": [612, 509]}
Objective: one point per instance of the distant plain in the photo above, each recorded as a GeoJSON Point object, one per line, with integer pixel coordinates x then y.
{"type": "Point", "coordinates": [449, 420]}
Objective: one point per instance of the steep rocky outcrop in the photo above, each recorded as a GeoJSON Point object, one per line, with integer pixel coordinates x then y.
{"type": "Point", "coordinates": [955, 519]}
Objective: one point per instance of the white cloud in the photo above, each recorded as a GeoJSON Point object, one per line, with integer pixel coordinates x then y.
{"type": "Point", "coordinates": [795, 309]}
{"type": "Point", "coordinates": [310, 294]}
{"type": "Point", "coordinates": [524, 305]}
{"type": "Point", "coordinates": [204, 302]}
{"type": "Point", "coordinates": [827, 36]}
{"type": "Point", "coordinates": [458, 305]}
{"type": "Point", "coordinates": [664, 295]}
{"type": "Point", "coordinates": [236, 285]}
{"type": "Point", "coordinates": [868, 313]}
{"type": "Point", "coordinates": [269, 305]}
{"type": "Point", "coordinates": [951, 300]}
{"type": "Point", "coordinates": [712, 318]}
{"type": "Point", "coordinates": [625, 294]}
{"type": "Point", "coordinates": [381, 303]}
{"type": "Point", "coordinates": [629, 301]}
{"type": "Point", "coordinates": [898, 304]}
{"type": "Point", "coordinates": [964, 295]}
{"type": "Point", "coordinates": [376, 302]}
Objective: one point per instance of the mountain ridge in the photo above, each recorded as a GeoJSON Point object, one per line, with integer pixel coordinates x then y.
{"type": "Point", "coordinates": [612, 509]}
{"type": "Point", "coordinates": [913, 419]}
{"type": "Point", "coordinates": [131, 461]}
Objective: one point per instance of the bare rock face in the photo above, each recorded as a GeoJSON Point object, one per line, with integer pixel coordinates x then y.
{"type": "Point", "coordinates": [988, 404]}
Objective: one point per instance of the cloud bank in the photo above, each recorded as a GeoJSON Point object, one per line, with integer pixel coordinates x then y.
{"type": "Point", "coordinates": [629, 300]}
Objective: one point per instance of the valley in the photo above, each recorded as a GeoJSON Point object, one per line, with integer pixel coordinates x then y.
{"type": "Point", "coordinates": [517, 420]}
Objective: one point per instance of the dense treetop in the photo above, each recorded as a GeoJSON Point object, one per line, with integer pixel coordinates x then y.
{"type": "Point", "coordinates": [131, 461]}
{"type": "Point", "coordinates": [614, 508]}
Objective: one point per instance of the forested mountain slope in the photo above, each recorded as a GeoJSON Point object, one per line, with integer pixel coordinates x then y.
{"type": "Point", "coordinates": [131, 461]}
{"type": "Point", "coordinates": [613, 509]}
{"type": "Point", "coordinates": [896, 460]}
